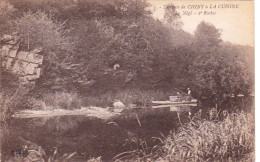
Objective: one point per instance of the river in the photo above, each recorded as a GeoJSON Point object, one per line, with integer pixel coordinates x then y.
{"type": "Point", "coordinates": [89, 137]}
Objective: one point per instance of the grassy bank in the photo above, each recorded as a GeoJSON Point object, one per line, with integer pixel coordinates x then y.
{"type": "Point", "coordinates": [230, 139]}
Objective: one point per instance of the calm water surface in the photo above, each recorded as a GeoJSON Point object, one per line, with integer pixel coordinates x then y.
{"type": "Point", "coordinates": [89, 136]}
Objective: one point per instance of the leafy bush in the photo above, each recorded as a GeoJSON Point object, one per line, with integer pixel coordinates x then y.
{"type": "Point", "coordinates": [41, 30]}
{"type": "Point", "coordinates": [202, 140]}
{"type": "Point", "coordinates": [6, 11]}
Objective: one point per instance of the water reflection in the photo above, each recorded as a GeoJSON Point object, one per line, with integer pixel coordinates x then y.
{"type": "Point", "coordinates": [89, 136]}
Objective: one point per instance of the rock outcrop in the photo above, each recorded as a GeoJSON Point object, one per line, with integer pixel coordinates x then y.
{"type": "Point", "coordinates": [25, 64]}
{"type": "Point", "coordinates": [118, 105]}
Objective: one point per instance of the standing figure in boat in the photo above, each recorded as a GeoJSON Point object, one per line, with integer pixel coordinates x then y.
{"type": "Point", "coordinates": [189, 94]}
{"type": "Point", "coordinates": [179, 96]}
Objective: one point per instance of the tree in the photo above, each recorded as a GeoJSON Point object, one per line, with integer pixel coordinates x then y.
{"type": "Point", "coordinates": [217, 71]}
{"type": "Point", "coordinates": [207, 35]}
{"type": "Point", "coordinates": [172, 17]}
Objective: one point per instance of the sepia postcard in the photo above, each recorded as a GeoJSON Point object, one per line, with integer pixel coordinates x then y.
{"type": "Point", "coordinates": [127, 80]}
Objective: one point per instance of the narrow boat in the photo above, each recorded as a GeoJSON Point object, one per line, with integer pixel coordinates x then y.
{"type": "Point", "coordinates": [168, 102]}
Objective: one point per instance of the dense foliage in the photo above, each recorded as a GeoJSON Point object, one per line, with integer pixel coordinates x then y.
{"type": "Point", "coordinates": [219, 69]}
{"type": "Point", "coordinates": [98, 46]}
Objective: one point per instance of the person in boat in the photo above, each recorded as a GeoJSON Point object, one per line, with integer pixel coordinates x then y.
{"type": "Point", "coordinates": [179, 96]}
{"type": "Point", "coordinates": [189, 94]}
